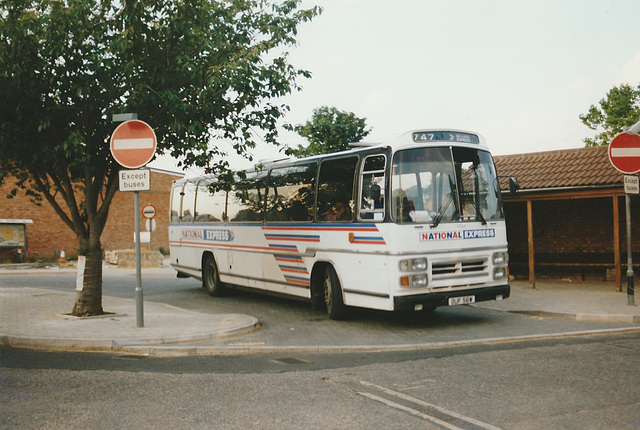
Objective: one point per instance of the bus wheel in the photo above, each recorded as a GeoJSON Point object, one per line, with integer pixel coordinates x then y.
{"type": "Point", "coordinates": [211, 278]}
{"type": "Point", "coordinates": [333, 295]}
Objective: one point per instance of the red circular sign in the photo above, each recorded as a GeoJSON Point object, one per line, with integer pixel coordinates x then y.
{"type": "Point", "coordinates": [149, 211]}
{"type": "Point", "coordinates": [133, 144]}
{"type": "Point", "coordinates": [624, 153]}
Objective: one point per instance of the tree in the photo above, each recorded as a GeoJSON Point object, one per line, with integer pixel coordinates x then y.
{"type": "Point", "coordinates": [195, 70]}
{"type": "Point", "coordinates": [330, 130]}
{"type": "Point", "coordinates": [620, 109]}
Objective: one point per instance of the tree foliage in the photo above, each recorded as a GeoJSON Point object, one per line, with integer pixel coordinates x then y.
{"type": "Point", "coordinates": [194, 70]}
{"type": "Point", "coordinates": [330, 130]}
{"type": "Point", "coordinates": [618, 110]}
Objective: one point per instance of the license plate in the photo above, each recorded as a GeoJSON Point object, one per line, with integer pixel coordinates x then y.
{"type": "Point", "coordinates": [464, 300]}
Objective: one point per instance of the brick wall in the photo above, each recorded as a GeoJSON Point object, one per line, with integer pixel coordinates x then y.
{"type": "Point", "coordinates": [118, 233]}
{"type": "Point", "coordinates": [48, 231]}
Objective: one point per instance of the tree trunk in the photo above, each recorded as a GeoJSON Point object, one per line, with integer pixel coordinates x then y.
{"type": "Point", "coordinates": [89, 299]}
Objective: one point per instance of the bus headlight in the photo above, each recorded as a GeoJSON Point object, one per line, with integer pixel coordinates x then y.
{"type": "Point", "coordinates": [499, 273]}
{"type": "Point", "coordinates": [416, 281]}
{"type": "Point", "coordinates": [419, 280]}
{"type": "Point", "coordinates": [413, 265]}
{"type": "Point", "coordinates": [500, 258]}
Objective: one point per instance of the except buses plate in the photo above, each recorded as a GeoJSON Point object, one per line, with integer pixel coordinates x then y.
{"type": "Point", "coordinates": [464, 300]}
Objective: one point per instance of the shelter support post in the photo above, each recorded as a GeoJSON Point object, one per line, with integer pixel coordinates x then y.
{"type": "Point", "coordinates": [617, 257]}
{"type": "Point", "coordinates": [532, 272]}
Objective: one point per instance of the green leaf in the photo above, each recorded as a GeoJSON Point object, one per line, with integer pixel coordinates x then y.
{"type": "Point", "coordinates": [620, 109]}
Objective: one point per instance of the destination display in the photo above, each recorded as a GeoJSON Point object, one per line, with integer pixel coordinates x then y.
{"type": "Point", "coordinates": [445, 136]}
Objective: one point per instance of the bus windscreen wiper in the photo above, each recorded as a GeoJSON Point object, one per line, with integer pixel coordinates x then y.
{"type": "Point", "coordinates": [479, 213]}
{"type": "Point", "coordinates": [443, 209]}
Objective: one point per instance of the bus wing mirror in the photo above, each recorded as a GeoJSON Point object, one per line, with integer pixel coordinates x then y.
{"type": "Point", "coordinates": [513, 185]}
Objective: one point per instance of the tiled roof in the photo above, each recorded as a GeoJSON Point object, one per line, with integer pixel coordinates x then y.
{"type": "Point", "coordinates": [589, 166]}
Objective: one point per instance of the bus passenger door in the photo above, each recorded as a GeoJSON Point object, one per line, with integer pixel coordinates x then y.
{"type": "Point", "coordinates": [244, 218]}
{"type": "Point", "coordinates": [182, 234]}
{"type": "Point", "coordinates": [190, 235]}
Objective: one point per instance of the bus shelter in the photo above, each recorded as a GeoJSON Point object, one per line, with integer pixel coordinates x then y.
{"type": "Point", "coordinates": [568, 214]}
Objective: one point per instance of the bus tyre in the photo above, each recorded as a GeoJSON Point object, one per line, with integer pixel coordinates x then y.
{"type": "Point", "coordinates": [211, 278]}
{"type": "Point", "coordinates": [333, 295]}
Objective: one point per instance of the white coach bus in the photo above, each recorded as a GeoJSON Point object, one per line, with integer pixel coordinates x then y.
{"type": "Point", "coordinates": [410, 225]}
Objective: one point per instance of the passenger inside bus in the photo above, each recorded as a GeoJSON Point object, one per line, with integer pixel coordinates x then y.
{"type": "Point", "coordinates": [339, 212]}
{"type": "Point", "coordinates": [376, 197]}
{"type": "Point", "coordinates": [404, 207]}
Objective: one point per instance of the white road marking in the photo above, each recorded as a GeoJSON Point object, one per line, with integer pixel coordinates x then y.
{"type": "Point", "coordinates": [414, 406]}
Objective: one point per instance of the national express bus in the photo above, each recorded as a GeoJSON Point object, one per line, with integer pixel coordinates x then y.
{"type": "Point", "coordinates": [410, 225]}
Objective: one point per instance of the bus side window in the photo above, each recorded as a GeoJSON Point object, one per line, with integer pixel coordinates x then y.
{"type": "Point", "coordinates": [246, 200]}
{"type": "Point", "coordinates": [176, 200]}
{"type": "Point", "coordinates": [291, 193]}
{"type": "Point", "coordinates": [335, 189]}
{"type": "Point", "coordinates": [209, 205]}
{"type": "Point", "coordinates": [372, 188]}
{"type": "Point", "coordinates": [188, 202]}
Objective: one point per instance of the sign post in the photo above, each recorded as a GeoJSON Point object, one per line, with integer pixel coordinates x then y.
{"type": "Point", "coordinates": [133, 144]}
{"type": "Point", "coordinates": [624, 154]}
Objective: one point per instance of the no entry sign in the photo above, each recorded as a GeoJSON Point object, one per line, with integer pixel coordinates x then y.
{"type": "Point", "coordinates": [149, 211]}
{"type": "Point", "coordinates": [624, 153]}
{"type": "Point", "coordinates": [133, 144]}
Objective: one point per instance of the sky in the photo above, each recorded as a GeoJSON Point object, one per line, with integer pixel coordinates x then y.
{"type": "Point", "coordinates": [518, 72]}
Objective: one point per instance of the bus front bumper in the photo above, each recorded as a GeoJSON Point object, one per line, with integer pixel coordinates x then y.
{"type": "Point", "coordinates": [437, 299]}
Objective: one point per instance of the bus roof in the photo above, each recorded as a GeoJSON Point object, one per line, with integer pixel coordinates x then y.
{"type": "Point", "coordinates": [434, 136]}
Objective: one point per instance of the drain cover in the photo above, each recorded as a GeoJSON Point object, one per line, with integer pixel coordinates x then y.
{"type": "Point", "coordinates": [292, 360]}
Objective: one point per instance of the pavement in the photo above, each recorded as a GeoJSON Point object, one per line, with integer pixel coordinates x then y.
{"type": "Point", "coordinates": [39, 318]}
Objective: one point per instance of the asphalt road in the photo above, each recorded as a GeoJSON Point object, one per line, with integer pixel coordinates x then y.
{"type": "Point", "coordinates": [578, 382]}
{"type": "Point", "coordinates": [586, 382]}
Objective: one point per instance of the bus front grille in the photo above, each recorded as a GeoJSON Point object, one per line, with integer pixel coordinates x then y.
{"type": "Point", "coordinates": [459, 270]}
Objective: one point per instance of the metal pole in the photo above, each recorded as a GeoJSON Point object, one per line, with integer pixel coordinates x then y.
{"type": "Point", "coordinates": [634, 129]}
{"type": "Point", "coordinates": [139, 301]}
{"type": "Point", "coordinates": [630, 275]}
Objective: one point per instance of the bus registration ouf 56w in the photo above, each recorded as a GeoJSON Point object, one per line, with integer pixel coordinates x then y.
{"type": "Point", "coordinates": [409, 225]}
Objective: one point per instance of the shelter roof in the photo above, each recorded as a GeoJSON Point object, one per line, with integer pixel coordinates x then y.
{"type": "Point", "coordinates": [566, 168]}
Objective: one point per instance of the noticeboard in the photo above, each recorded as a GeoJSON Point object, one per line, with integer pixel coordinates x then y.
{"type": "Point", "coordinates": [13, 235]}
